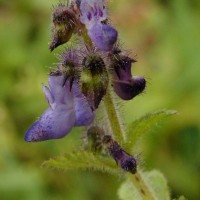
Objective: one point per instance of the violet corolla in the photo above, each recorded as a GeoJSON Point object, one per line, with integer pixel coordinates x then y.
{"type": "Point", "coordinates": [94, 15]}
{"type": "Point", "coordinates": [67, 109]}
{"type": "Point", "coordinates": [125, 85]}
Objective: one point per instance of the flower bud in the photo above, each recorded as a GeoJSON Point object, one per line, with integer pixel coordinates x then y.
{"type": "Point", "coordinates": [64, 24]}
{"type": "Point", "coordinates": [94, 79]}
{"type": "Point", "coordinates": [127, 162]}
{"type": "Point", "coordinates": [70, 66]}
{"type": "Point", "coordinates": [95, 64]}
{"type": "Point", "coordinates": [129, 89]}
{"type": "Point", "coordinates": [94, 136]}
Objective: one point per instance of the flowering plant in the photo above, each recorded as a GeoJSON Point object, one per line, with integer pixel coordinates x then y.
{"type": "Point", "coordinates": [89, 78]}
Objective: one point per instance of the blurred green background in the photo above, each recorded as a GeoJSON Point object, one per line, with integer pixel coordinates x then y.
{"type": "Point", "coordinates": [165, 35]}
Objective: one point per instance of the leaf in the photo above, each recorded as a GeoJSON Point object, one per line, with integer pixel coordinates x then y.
{"type": "Point", "coordinates": [144, 125]}
{"type": "Point", "coordinates": [157, 184]}
{"type": "Point", "coordinates": [82, 160]}
{"type": "Point", "coordinates": [128, 191]}
{"type": "Point", "coordinates": [181, 198]}
{"type": "Point", "coordinates": [154, 181]}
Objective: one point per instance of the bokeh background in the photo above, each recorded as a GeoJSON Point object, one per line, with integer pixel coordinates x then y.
{"type": "Point", "coordinates": [165, 35]}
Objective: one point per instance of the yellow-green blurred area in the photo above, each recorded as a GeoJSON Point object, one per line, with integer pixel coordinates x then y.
{"type": "Point", "coordinates": [165, 35]}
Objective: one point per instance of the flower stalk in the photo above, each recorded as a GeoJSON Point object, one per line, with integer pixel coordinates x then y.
{"type": "Point", "coordinates": [114, 118]}
{"type": "Point", "coordinates": [119, 134]}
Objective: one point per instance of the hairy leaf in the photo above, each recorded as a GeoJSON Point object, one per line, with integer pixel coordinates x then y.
{"type": "Point", "coordinates": [82, 160]}
{"type": "Point", "coordinates": [128, 191]}
{"type": "Point", "coordinates": [154, 181]}
{"type": "Point", "coordinates": [144, 125]}
{"type": "Point", "coordinates": [157, 184]}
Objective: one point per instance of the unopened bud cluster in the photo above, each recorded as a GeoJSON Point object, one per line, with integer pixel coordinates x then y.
{"type": "Point", "coordinates": [97, 140]}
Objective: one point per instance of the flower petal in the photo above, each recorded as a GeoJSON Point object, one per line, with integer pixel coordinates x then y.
{"type": "Point", "coordinates": [103, 36]}
{"type": "Point", "coordinates": [93, 11]}
{"type": "Point", "coordinates": [122, 68]}
{"type": "Point", "coordinates": [127, 90]}
{"type": "Point", "coordinates": [60, 92]}
{"type": "Point", "coordinates": [53, 124]}
{"type": "Point", "coordinates": [83, 111]}
{"type": "Point", "coordinates": [48, 95]}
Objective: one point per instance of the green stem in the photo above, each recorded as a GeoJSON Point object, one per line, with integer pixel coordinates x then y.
{"type": "Point", "coordinates": [139, 183]}
{"type": "Point", "coordinates": [119, 134]}
{"type": "Point", "coordinates": [86, 38]}
{"type": "Point", "coordinates": [114, 118]}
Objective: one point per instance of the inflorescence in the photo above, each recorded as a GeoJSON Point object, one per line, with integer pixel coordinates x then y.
{"type": "Point", "coordinates": [84, 74]}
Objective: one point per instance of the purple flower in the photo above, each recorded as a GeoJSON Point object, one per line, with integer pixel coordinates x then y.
{"type": "Point", "coordinates": [94, 15]}
{"type": "Point", "coordinates": [122, 67]}
{"type": "Point", "coordinates": [125, 86]}
{"type": "Point", "coordinates": [103, 36]}
{"type": "Point", "coordinates": [128, 89]}
{"type": "Point", "coordinates": [93, 11]}
{"type": "Point", "coordinates": [67, 109]}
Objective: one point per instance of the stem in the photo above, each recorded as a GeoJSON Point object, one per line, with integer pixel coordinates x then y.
{"type": "Point", "coordinates": [119, 134]}
{"type": "Point", "coordinates": [139, 183]}
{"type": "Point", "coordinates": [86, 38]}
{"type": "Point", "coordinates": [114, 118]}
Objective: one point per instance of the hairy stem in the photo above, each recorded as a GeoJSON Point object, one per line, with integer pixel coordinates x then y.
{"type": "Point", "coordinates": [119, 134]}
{"type": "Point", "coordinates": [114, 118]}
{"type": "Point", "coordinates": [86, 38]}
{"type": "Point", "coordinates": [139, 183]}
